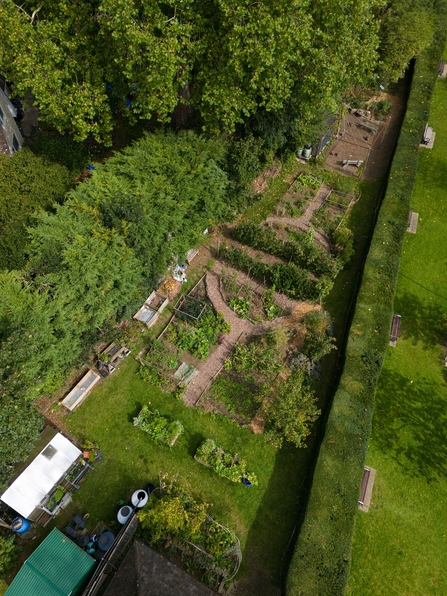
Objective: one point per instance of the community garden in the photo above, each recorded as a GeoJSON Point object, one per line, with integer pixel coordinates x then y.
{"type": "Point", "coordinates": [269, 348]}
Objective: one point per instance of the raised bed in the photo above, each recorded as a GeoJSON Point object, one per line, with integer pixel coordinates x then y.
{"type": "Point", "coordinates": [228, 466]}
{"type": "Point", "coordinates": [159, 428]}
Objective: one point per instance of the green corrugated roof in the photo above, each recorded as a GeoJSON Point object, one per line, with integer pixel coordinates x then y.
{"type": "Point", "coordinates": [58, 567]}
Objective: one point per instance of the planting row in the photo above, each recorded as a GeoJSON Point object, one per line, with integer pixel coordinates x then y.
{"type": "Point", "coordinates": [302, 251]}
{"type": "Point", "coordinates": [286, 278]}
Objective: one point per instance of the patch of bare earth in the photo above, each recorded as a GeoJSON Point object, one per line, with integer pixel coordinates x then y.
{"type": "Point", "coordinates": [262, 181]}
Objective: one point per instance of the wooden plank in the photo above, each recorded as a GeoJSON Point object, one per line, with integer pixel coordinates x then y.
{"type": "Point", "coordinates": [369, 475]}
{"type": "Point", "coordinates": [395, 327]}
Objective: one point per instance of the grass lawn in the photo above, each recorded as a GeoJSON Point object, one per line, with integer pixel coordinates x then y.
{"type": "Point", "coordinates": [400, 546]}
{"type": "Point", "coordinates": [263, 517]}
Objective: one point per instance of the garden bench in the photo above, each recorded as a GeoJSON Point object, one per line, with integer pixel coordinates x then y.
{"type": "Point", "coordinates": [366, 488]}
{"type": "Point", "coordinates": [428, 133]}
{"type": "Point", "coordinates": [441, 67]}
{"type": "Point", "coordinates": [395, 327]}
{"type": "Point", "coordinates": [352, 162]}
{"type": "Point", "coordinates": [412, 222]}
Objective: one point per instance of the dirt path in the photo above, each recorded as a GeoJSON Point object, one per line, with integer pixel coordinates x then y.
{"type": "Point", "coordinates": [213, 364]}
{"type": "Point", "coordinates": [303, 222]}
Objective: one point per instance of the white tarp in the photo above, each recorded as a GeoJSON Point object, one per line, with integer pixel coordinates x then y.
{"type": "Point", "coordinates": [30, 488]}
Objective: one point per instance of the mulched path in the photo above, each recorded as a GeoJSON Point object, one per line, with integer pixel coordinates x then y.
{"type": "Point", "coordinates": [215, 361]}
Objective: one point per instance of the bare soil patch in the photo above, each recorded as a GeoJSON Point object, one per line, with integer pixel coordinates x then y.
{"type": "Point", "coordinates": [262, 181]}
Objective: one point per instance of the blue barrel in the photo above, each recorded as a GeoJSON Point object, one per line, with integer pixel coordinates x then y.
{"type": "Point", "coordinates": [20, 525]}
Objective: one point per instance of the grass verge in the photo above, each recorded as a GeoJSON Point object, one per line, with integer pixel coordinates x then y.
{"type": "Point", "coordinates": [400, 545]}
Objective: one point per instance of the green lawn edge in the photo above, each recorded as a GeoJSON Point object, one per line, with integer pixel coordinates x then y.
{"type": "Point", "coordinates": [400, 545]}
{"type": "Point", "coordinates": [322, 556]}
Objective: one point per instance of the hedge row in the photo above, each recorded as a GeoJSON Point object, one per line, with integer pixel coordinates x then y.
{"type": "Point", "coordinates": [303, 253]}
{"type": "Point", "coordinates": [321, 561]}
{"type": "Point", "coordinates": [286, 278]}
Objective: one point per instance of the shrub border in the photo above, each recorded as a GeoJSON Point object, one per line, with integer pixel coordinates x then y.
{"type": "Point", "coordinates": [321, 561]}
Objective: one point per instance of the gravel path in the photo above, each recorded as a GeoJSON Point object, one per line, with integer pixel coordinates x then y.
{"type": "Point", "coordinates": [212, 365]}
{"type": "Point", "coordinates": [303, 222]}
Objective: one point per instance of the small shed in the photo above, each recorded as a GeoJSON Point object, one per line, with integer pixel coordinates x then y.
{"type": "Point", "coordinates": [144, 572]}
{"type": "Point", "coordinates": [58, 567]}
{"type": "Point", "coordinates": [81, 390]}
{"type": "Point", "coordinates": [31, 490]}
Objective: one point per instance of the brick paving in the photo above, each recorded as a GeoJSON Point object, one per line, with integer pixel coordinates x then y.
{"type": "Point", "coordinates": [213, 364]}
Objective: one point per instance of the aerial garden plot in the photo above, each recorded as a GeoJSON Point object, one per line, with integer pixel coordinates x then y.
{"type": "Point", "coordinates": [253, 325]}
{"type": "Point", "coordinates": [244, 350]}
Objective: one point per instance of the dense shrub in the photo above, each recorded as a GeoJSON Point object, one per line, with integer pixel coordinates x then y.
{"type": "Point", "coordinates": [303, 253]}
{"type": "Point", "coordinates": [320, 565]}
{"type": "Point", "coordinates": [9, 553]}
{"type": "Point", "coordinates": [28, 184]}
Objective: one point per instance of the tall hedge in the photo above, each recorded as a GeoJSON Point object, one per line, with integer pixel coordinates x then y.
{"type": "Point", "coordinates": [321, 561]}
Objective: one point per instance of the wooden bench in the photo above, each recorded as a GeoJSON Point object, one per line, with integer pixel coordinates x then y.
{"type": "Point", "coordinates": [441, 67]}
{"type": "Point", "coordinates": [428, 133]}
{"type": "Point", "coordinates": [352, 162]}
{"type": "Point", "coordinates": [395, 327]}
{"type": "Point", "coordinates": [369, 475]}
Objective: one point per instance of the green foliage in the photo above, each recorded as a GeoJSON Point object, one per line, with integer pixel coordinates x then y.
{"type": "Point", "coordinates": [178, 517]}
{"type": "Point", "coordinates": [200, 337]}
{"type": "Point", "coordinates": [271, 309]}
{"type": "Point", "coordinates": [63, 150]}
{"type": "Point", "coordinates": [239, 396]}
{"type": "Point", "coordinates": [159, 428]}
{"type": "Point", "coordinates": [292, 411]}
{"type": "Point", "coordinates": [286, 278]}
{"type": "Point", "coordinates": [343, 241]}
{"type": "Point", "coordinates": [308, 180]}
{"type": "Point", "coordinates": [407, 29]}
{"type": "Point", "coordinates": [383, 107]}
{"type": "Point", "coordinates": [245, 159]}
{"type": "Point", "coordinates": [241, 306]}
{"type": "Point", "coordinates": [320, 564]}
{"type": "Point", "coordinates": [318, 341]}
{"type": "Point", "coordinates": [302, 251]}
{"type": "Point", "coordinates": [28, 184]}
{"type": "Point", "coordinates": [229, 61]}
{"type": "Point", "coordinates": [9, 553]}
{"type": "Point", "coordinates": [226, 465]}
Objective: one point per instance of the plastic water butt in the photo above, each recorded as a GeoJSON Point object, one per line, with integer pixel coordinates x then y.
{"type": "Point", "coordinates": [307, 152]}
{"type": "Point", "coordinates": [20, 525]}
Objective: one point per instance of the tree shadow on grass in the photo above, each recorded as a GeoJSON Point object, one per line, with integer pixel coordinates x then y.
{"type": "Point", "coordinates": [421, 322]}
{"type": "Point", "coordinates": [410, 424]}
{"type": "Point", "coordinates": [272, 534]}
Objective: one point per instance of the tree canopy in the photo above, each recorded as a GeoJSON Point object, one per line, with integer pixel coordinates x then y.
{"type": "Point", "coordinates": [88, 58]}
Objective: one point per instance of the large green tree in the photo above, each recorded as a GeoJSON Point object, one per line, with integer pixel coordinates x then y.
{"type": "Point", "coordinates": [28, 184]}
{"type": "Point", "coordinates": [227, 58]}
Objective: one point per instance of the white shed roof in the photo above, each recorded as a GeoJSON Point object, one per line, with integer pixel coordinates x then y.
{"type": "Point", "coordinates": [36, 481]}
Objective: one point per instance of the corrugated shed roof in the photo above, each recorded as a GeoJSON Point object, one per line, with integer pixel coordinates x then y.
{"type": "Point", "coordinates": [58, 567]}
